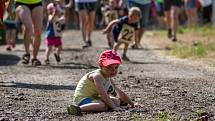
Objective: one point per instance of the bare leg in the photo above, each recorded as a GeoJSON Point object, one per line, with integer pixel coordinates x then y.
{"type": "Point", "coordinates": [82, 17]}
{"type": "Point", "coordinates": [168, 23]}
{"type": "Point", "coordinates": [140, 34]}
{"type": "Point", "coordinates": [37, 17]}
{"type": "Point", "coordinates": [116, 46]}
{"type": "Point", "coordinates": [110, 41]}
{"type": "Point", "coordinates": [174, 22]}
{"type": "Point", "coordinates": [48, 51]}
{"type": "Point", "coordinates": [90, 25]}
{"type": "Point", "coordinates": [96, 106]}
{"type": "Point", "coordinates": [13, 37]}
{"type": "Point", "coordinates": [25, 15]}
{"type": "Point", "coordinates": [58, 50]}
{"type": "Point", "coordinates": [125, 49]}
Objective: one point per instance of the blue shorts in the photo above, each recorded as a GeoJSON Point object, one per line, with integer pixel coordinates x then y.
{"type": "Point", "coordinates": [85, 101]}
{"type": "Point", "coordinates": [190, 4]}
{"type": "Point", "coordinates": [89, 6]}
{"type": "Point", "coordinates": [145, 10]}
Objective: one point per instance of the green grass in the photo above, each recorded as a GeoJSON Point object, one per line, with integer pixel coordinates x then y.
{"type": "Point", "coordinates": [198, 50]}
{"type": "Point", "coordinates": [206, 29]}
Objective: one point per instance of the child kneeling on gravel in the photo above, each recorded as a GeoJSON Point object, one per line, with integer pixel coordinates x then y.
{"type": "Point", "coordinates": [124, 30]}
{"type": "Point", "coordinates": [92, 91]}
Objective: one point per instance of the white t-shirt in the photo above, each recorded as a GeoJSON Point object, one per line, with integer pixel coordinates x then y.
{"type": "Point", "coordinates": [205, 3]}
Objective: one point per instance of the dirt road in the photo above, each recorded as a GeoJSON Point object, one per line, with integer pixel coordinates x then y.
{"type": "Point", "coordinates": [162, 84]}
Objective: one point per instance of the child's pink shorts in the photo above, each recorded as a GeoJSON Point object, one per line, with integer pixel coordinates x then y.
{"type": "Point", "coordinates": [53, 41]}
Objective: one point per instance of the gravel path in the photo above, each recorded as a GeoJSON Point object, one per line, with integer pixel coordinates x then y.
{"type": "Point", "coordinates": [176, 88]}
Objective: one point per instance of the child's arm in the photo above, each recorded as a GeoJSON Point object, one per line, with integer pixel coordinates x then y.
{"type": "Point", "coordinates": [105, 97]}
{"type": "Point", "coordinates": [109, 26]}
{"type": "Point", "coordinates": [124, 97]}
{"type": "Point", "coordinates": [51, 17]}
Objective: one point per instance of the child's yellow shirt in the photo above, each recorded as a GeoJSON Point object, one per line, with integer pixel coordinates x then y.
{"type": "Point", "coordinates": [87, 88]}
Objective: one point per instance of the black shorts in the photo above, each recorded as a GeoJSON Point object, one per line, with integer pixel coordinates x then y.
{"type": "Point", "coordinates": [177, 3]}
{"type": "Point", "coordinates": [30, 6]}
{"type": "Point", "coordinates": [169, 3]}
{"type": "Point", "coordinates": [89, 6]}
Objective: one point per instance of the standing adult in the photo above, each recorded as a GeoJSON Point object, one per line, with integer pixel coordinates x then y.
{"type": "Point", "coordinates": [144, 6]}
{"type": "Point", "coordinates": [86, 11]}
{"type": "Point", "coordinates": [175, 9]}
{"type": "Point", "coordinates": [191, 11]}
{"type": "Point", "coordinates": [172, 9]}
{"type": "Point", "coordinates": [30, 12]}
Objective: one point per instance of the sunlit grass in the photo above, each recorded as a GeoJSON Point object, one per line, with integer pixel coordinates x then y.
{"type": "Point", "coordinates": [198, 50]}
{"type": "Point", "coordinates": [186, 51]}
{"type": "Point", "coordinates": [206, 29]}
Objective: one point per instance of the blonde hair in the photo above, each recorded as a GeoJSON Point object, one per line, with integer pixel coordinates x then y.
{"type": "Point", "coordinates": [135, 11]}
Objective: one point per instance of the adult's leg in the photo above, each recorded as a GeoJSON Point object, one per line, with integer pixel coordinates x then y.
{"type": "Point", "coordinates": [189, 17]}
{"type": "Point", "coordinates": [174, 21]}
{"type": "Point", "coordinates": [194, 16]}
{"type": "Point", "coordinates": [37, 17]}
{"type": "Point", "coordinates": [145, 10]}
{"type": "Point", "coordinates": [24, 13]}
{"type": "Point", "coordinates": [90, 25]}
{"type": "Point", "coordinates": [167, 14]}
{"type": "Point", "coordinates": [83, 21]}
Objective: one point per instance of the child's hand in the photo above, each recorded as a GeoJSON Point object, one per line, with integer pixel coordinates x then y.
{"type": "Point", "coordinates": [136, 105]}
{"type": "Point", "coordinates": [118, 109]}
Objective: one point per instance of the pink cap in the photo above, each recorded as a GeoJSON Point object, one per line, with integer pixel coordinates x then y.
{"type": "Point", "coordinates": [109, 57]}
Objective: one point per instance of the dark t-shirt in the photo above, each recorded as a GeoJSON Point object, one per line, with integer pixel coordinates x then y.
{"type": "Point", "coordinates": [118, 27]}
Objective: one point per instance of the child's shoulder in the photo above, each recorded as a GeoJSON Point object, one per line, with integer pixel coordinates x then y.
{"type": "Point", "coordinates": [96, 74]}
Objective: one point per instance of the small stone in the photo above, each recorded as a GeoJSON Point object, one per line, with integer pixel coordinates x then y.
{"type": "Point", "coordinates": [165, 93]}
{"type": "Point", "coordinates": [4, 119]}
{"type": "Point", "coordinates": [20, 94]}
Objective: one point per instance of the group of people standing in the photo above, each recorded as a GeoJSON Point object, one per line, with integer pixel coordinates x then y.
{"type": "Point", "coordinates": [31, 14]}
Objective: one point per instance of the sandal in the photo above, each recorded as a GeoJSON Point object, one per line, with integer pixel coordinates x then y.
{"type": "Point", "coordinates": [25, 58]}
{"type": "Point", "coordinates": [35, 62]}
{"type": "Point", "coordinates": [57, 57]}
{"type": "Point", "coordinates": [47, 62]}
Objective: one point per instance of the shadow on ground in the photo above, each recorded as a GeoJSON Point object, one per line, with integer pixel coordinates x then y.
{"type": "Point", "coordinates": [37, 86]}
{"type": "Point", "coordinates": [73, 65]}
{"type": "Point", "coordinates": [44, 87]}
{"type": "Point", "coordinates": [6, 60]}
{"type": "Point", "coordinates": [138, 62]}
